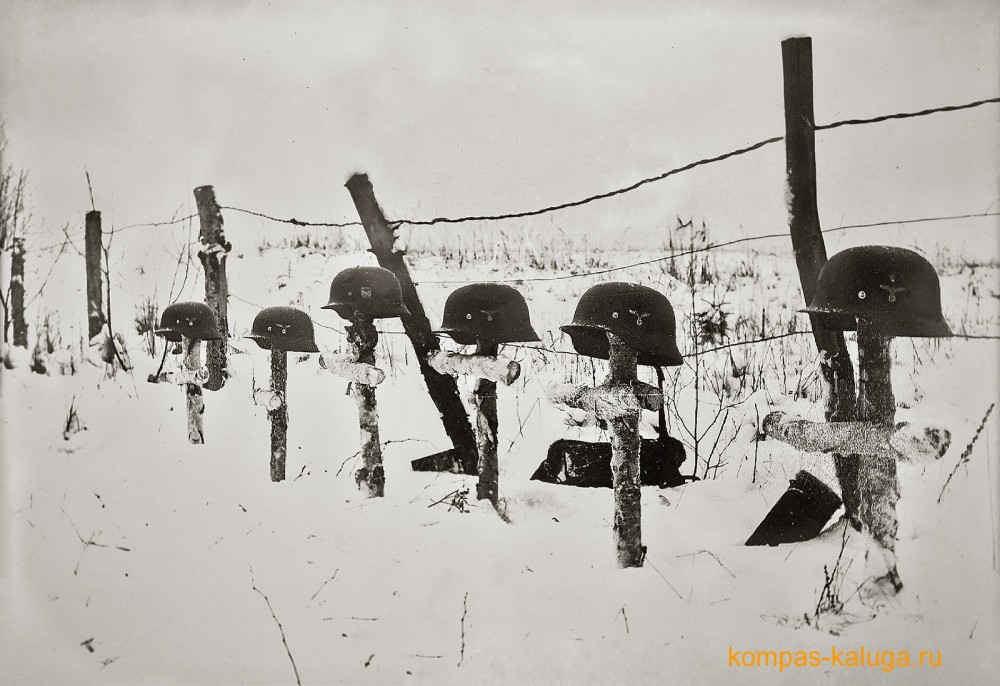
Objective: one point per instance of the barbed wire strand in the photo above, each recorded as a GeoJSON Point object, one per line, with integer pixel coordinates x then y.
{"type": "Point", "coordinates": [293, 220]}
{"type": "Point", "coordinates": [905, 115]}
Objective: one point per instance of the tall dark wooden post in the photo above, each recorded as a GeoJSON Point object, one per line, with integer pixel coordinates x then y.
{"type": "Point", "coordinates": [362, 337]}
{"type": "Point", "coordinates": [20, 338]}
{"type": "Point", "coordinates": [95, 277]}
{"type": "Point", "coordinates": [485, 394]}
{"type": "Point", "coordinates": [810, 250]}
{"type": "Point", "coordinates": [279, 415]}
{"type": "Point", "coordinates": [625, 444]}
{"type": "Point", "coordinates": [442, 388]}
{"type": "Point", "coordinates": [212, 254]}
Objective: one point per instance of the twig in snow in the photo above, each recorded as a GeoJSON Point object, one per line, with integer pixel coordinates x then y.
{"type": "Point", "coordinates": [280, 628]}
{"type": "Point", "coordinates": [465, 609]}
{"type": "Point", "coordinates": [714, 556]}
{"type": "Point", "coordinates": [369, 660]}
{"type": "Point", "coordinates": [663, 577]}
{"type": "Point", "coordinates": [968, 450]}
{"type": "Point", "coordinates": [323, 585]}
{"type": "Point", "coordinates": [624, 616]}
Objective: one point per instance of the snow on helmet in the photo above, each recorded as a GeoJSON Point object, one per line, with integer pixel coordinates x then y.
{"type": "Point", "coordinates": [189, 320]}
{"type": "Point", "coordinates": [894, 289]}
{"type": "Point", "coordinates": [640, 316]}
{"type": "Point", "coordinates": [284, 328]}
{"type": "Point", "coordinates": [372, 291]}
{"type": "Point", "coordinates": [487, 313]}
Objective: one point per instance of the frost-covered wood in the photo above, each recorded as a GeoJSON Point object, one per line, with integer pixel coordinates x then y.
{"type": "Point", "coordinates": [346, 365]}
{"type": "Point", "coordinates": [481, 366]}
{"type": "Point", "coordinates": [213, 252]}
{"type": "Point", "coordinates": [267, 398]}
{"type": "Point", "coordinates": [625, 444]}
{"type": "Point", "coordinates": [903, 443]}
{"type": "Point", "coordinates": [20, 338]}
{"type": "Point", "coordinates": [279, 414]}
{"type": "Point", "coordinates": [609, 400]}
{"type": "Point", "coordinates": [362, 337]}
{"type": "Point", "coordinates": [485, 398]}
{"type": "Point", "coordinates": [195, 401]}
{"type": "Point", "coordinates": [878, 485]}
{"type": "Point", "coordinates": [183, 376]}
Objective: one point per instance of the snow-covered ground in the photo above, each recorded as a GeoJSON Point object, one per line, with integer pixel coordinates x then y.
{"type": "Point", "coordinates": [133, 557]}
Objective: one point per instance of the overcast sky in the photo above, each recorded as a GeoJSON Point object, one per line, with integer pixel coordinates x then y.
{"type": "Point", "coordinates": [457, 107]}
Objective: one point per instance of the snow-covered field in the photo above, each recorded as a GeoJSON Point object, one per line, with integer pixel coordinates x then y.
{"type": "Point", "coordinates": [135, 557]}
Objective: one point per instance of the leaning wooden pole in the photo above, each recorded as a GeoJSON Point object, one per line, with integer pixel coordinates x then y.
{"type": "Point", "coordinates": [95, 279]}
{"type": "Point", "coordinates": [442, 388]}
{"type": "Point", "coordinates": [625, 444]}
{"type": "Point", "coordinates": [195, 399]}
{"type": "Point", "coordinates": [212, 254]}
{"type": "Point", "coordinates": [485, 395]}
{"type": "Point", "coordinates": [20, 338]}
{"type": "Point", "coordinates": [279, 414]}
{"type": "Point", "coordinates": [363, 337]}
{"type": "Point", "coordinates": [810, 250]}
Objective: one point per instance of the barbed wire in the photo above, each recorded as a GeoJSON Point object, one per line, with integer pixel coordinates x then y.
{"type": "Point", "coordinates": [293, 220]}
{"type": "Point", "coordinates": [905, 115]}
{"type": "Point", "coordinates": [706, 248]}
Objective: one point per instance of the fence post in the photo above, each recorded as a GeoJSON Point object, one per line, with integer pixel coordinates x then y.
{"type": "Point", "coordinates": [625, 461]}
{"type": "Point", "coordinates": [442, 388]}
{"type": "Point", "coordinates": [17, 293]}
{"type": "Point", "coordinates": [214, 249]}
{"type": "Point", "coordinates": [279, 415]}
{"type": "Point", "coordinates": [810, 250]}
{"type": "Point", "coordinates": [362, 337]}
{"type": "Point", "coordinates": [485, 394]}
{"type": "Point", "coordinates": [193, 394]}
{"type": "Point", "coordinates": [95, 276]}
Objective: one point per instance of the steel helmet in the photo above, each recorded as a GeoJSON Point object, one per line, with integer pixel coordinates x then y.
{"type": "Point", "coordinates": [372, 291]}
{"type": "Point", "coordinates": [487, 313]}
{"type": "Point", "coordinates": [190, 320]}
{"type": "Point", "coordinates": [284, 328]}
{"type": "Point", "coordinates": [639, 315]}
{"type": "Point", "coordinates": [894, 289]}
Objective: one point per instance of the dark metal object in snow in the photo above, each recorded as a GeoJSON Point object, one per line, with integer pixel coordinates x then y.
{"type": "Point", "coordinates": [441, 387]}
{"type": "Point", "coordinates": [188, 320]}
{"type": "Point", "coordinates": [588, 465]}
{"type": "Point", "coordinates": [487, 313]}
{"type": "Point", "coordinates": [800, 513]}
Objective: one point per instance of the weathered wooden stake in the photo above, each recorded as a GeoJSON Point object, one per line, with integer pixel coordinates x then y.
{"type": "Point", "coordinates": [810, 250]}
{"type": "Point", "coordinates": [362, 337]}
{"type": "Point", "coordinates": [485, 395]}
{"type": "Point", "coordinates": [214, 249]}
{"type": "Point", "coordinates": [878, 485]}
{"type": "Point", "coordinates": [95, 275]}
{"type": "Point", "coordinates": [442, 388]}
{"type": "Point", "coordinates": [625, 444]}
{"type": "Point", "coordinates": [279, 414]}
{"type": "Point", "coordinates": [195, 399]}
{"type": "Point", "coordinates": [20, 338]}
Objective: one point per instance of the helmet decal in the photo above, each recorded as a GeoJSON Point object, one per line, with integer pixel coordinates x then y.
{"type": "Point", "coordinates": [639, 316]}
{"type": "Point", "coordinates": [366, 292]}
{"type": "Point", "coordinates": [892, 288]}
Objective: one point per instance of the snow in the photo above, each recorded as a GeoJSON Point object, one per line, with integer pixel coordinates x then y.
{"type": "Point", "coordinates": [128, 541]}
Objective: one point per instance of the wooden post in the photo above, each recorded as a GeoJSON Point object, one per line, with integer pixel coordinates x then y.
{"type": "Point", "coordinates": [279, 415]}
{"type": "Point", "coordinates": [195, 399]}
{"type": "Point", "coordinates": [95, 275]}
{"type": "Point", "coordinates": [20, 338]}
{"type": "Point", "coordinates": [442, 388]}
{"type": "Point", "coordinates": [485, 395]}
{"type": "Point", "coordinates": [214, 249]}
{"type": "Point", "coordinates": [878, 485]}
{"type": "Point", "coordinates": [362, 337]}
{"type": "Point", "coordinates": [810, 250]}
{"type": "Point", "coordinates": [625, 462]}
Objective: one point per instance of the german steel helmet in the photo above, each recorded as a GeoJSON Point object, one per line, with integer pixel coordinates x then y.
{"type": "Point", "coordinates": [284, 328]}
{"type": "Point", "coordinates": [190, 320]}
{"type": "Point", "coordinates": [487, 313]}
{"type": "Point", "coordinates": [372, 291]}
{"type": "Point", "coordinates": [894, 289]}
{"type": "Point", "coordinates": [640, 316]}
